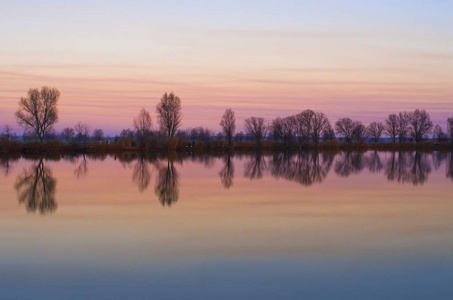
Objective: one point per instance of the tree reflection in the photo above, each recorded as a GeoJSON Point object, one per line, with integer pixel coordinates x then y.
{"type": "Point", "coordinates": [36, 188]}
{"type": "Point", "coordinates": [374, 162]}
{"type": "Point", "coordinates": [255, 167]}
{"type": "Point", "coordinates": [407, 167]}
{"type": "Point", "coordinates": [305, 168]}
{"type": "Point", "coordinates": [349, 163]}
{"type": "Point", "coordinates": [82, 169]}
{"type": "Point", "coordinates": [167, 184]}
{"type": "Point", "coordinates": [141, 174]}
{"type": "Point", "coordinates": [205, 158]}
{"type": "Point", "coordinates": [227, 172]}
{"type": "Point", "coordinates": [6, 162]}
{"type": "Point", "coordinates": [450, 167]}
{"type": "Point", "coordinates": [439, 158]}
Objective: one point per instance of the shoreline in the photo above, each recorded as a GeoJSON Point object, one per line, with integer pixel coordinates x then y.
{"type": "Point", "coordinates": [213, 147]}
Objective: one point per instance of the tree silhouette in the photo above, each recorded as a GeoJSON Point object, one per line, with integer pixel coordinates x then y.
{"type": "Point", "coordinates": [7, 132]}
{"type": "Point", "coordinates": [83, 131]}
{"type": "Point", "coordinates": [36, 189]}
{"type": "Point", "coordinates": [169, 114]}
{"type": "Point", "coordinates": [348, 129]}
{"type": "Point", "coordinates": [98, 134]}
{"type": "Point", "coordinates": [421, 124]}
{"type": "Point", "coordinates": [38, 111]}
{"type": "Point", "coordinates": [67, 134]}
{"type": "Point", "coordinates": [391, 126]}
{"type": "Point", "coordinates": [375, 130]}
{"type": "Point", "coordinates": [403, 126]}
{"type": "Point", "coordinates": [450, 127]}
{"type": "Point", "coordinates": [256, 128]}
{"type": "Point", "coordinates": [283, 130]}
{"type": "Point", "coordinates": [228, 124]}
{"type": "Point", "coordinates": [320, 123]}
{"type": "Point", "coordinates": [142, 126]}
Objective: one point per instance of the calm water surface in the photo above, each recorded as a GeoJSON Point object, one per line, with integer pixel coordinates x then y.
{"type": "Point", "coordinates": [346, 225]}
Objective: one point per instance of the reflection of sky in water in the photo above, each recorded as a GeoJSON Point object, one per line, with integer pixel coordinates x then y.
{"type": "Point", "coordinates": [322, 226]}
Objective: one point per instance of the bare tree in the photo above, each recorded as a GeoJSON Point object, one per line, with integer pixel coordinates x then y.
{"type": "Point", "coordinates": [169, 114]}
{"type": "Point", "coordinates": [38, 111]}
{"type": "Point", "coordinates": [127, 133]}
{"type": "Point", "coordinates": [391, 126]}
{"type": "Point", "coordinates": [328, 133]}
{"type": "Point", "coordinates": [67, 134]}
{"type": "Point", "coordinates": [142, 126]}
{"type": "Point", "coordinates": [256, 128]}
{"type": "Point", "coordinates": [276, 129]}
{"type": "Point", "coordinates": [421, 124]}
{"type": "Point", "coordinates": [228, 124]}
{"type": "Point", "coordinates": [283, 129]}
{"type": "Point", "coordinates": [375, 130]}
{"type": "Point", "coordinates": [239, 137]}
{"type": "Point", "coordinates": [7, 131]}
{"type": "Point", "coordinates": [319, 123]}
{"type": "Point", "coordinates": [304, 125]}
{"type": "Point", "coordinates": [439, 135]}
{"type": "Point", "coordinates": [403, 120]}
{"type": "Point", "coordinates": [450, 127]}
{"type": "Point", "coordinates": [345, 127]}
{"type": "Point", "coordinates": [200, 134]}
{"type": "Point", "coordinates": [83, 131]}
{"type": "Point", "coordinates": [359, 133]}
{"type": "Point", "coordinates": [98, 134]}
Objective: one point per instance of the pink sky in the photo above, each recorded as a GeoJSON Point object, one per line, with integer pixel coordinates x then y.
{"type": "Point", "coordinates": [359, 61]}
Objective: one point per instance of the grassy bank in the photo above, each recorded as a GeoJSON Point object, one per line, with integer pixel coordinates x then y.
{"type": "Point", "coordinates": [182, 145]}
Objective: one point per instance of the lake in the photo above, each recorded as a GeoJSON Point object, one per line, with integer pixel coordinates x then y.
{"type": "Point", "coordinates": [266, 226]}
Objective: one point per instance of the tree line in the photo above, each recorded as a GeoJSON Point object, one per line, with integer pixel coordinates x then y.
{"type": "Point", "coordinates": [38, 113]}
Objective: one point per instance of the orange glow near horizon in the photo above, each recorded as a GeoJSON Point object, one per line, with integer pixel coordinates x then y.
{"type": "Point", "coordinates": [355, 60]}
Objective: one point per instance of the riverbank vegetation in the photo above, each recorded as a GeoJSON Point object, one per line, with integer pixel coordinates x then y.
{"type": "Point", "coordinates": [307, 130]}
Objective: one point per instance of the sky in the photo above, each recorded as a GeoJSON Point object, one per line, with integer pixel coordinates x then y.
{"type": "Point", "coordinates": [358, 59]}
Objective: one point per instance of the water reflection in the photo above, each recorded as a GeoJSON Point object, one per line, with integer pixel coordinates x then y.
{"type": "Point", "coordinates": [408, 167]}
{"type": "Point", "coordinates": [206, 159]}
{"type": "Point", "coordinates": [82, 169]}
{"type": "Point", "coordinates": [305, 168]}
{"type": "Point", "coordinates": [349, 163]}
{"type": "Point", "coordinates": [375, 164]}
{"type": "Point", "coordinates": [450, 167]}
{"type": "Point", "coordinates": [6, 162]}
{"type": "Point", "coordinates": [227, 172]}
{"type": "Point", "coordinates": [36, 188]}
{"type": "Point", "coordinates": [141, 175]}
{"type": "Point", "coordinates": [255, 167]}
{"type": "Point", "coordinates": [167, 183]}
